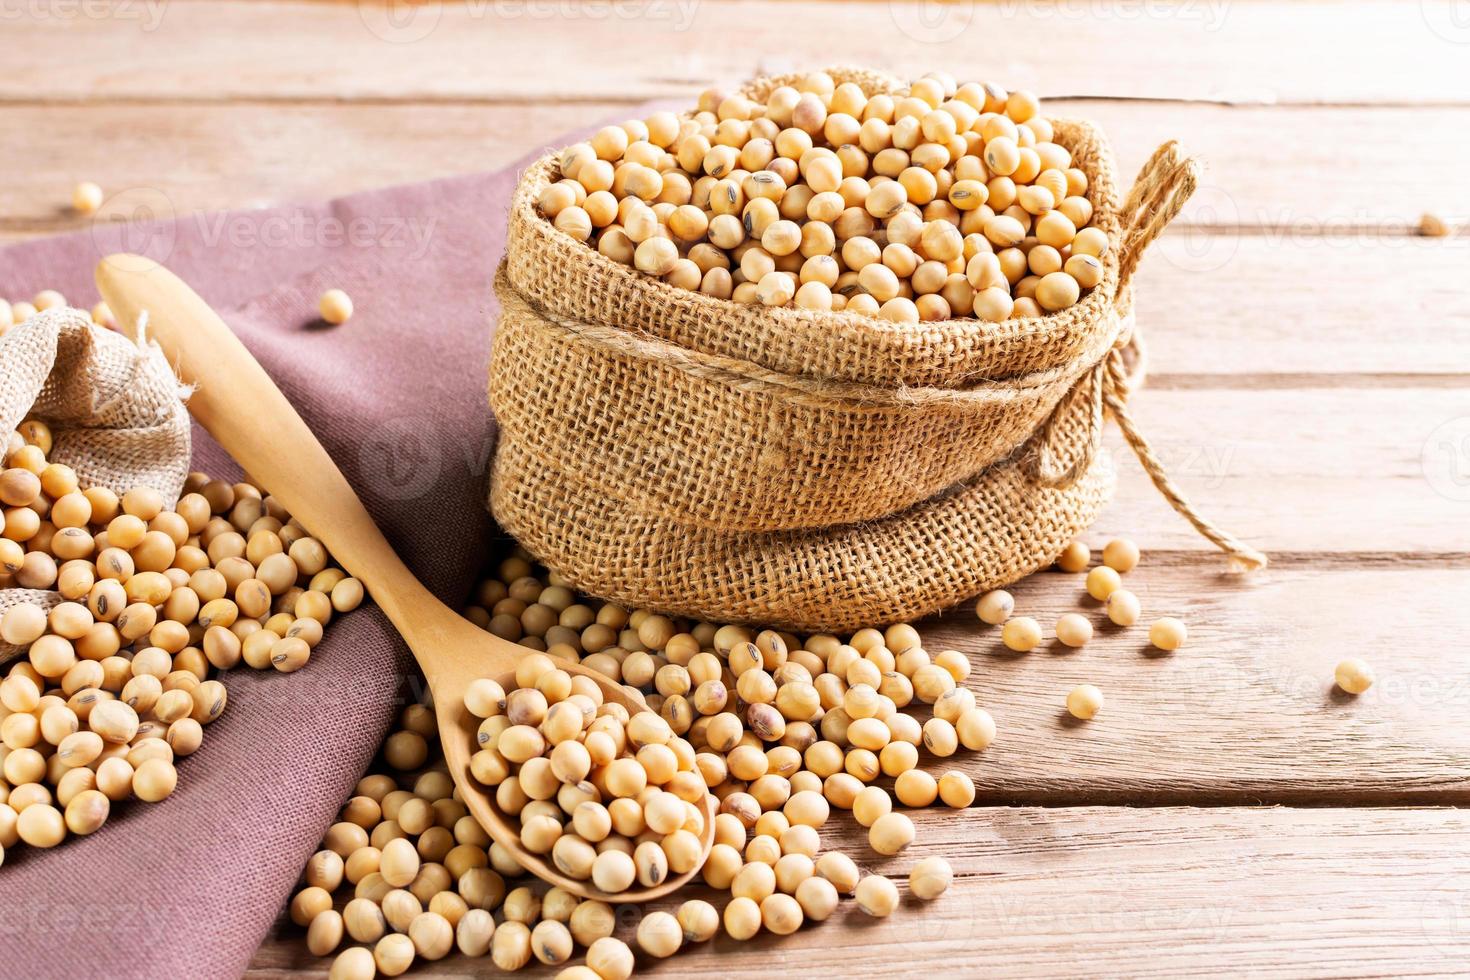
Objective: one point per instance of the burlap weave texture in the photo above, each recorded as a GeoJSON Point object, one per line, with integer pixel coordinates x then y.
{"type": "Point", "coordinates": [114, 408]}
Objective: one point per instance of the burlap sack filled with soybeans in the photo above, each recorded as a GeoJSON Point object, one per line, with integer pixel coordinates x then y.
{"type": "Point", "coordinates": [114, 414]}
{"type": "Point", "coordinates": [667, 449]}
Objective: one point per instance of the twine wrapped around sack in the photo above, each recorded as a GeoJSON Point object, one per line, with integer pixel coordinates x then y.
{"type": "Point", "coordinates": [1165, 183]}
{"type": "Point", "coordinates": [115, 410]}
{"type": "Point", "coordinates": [765, 451]}
{"type": "Point", "coordinates": [663, 448]}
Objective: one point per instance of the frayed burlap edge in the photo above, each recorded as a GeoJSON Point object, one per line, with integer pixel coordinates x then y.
{"type": "Point", "coordinates": [115, 409]}
{"type": "Point", "coordinates": [1003, 524]}
{"type": "Point", "coordinates": [568, 278]}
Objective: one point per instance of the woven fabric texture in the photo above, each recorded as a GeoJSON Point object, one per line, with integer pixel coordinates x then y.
{"type": "Point", "coordinates": [189, 887]}
{"type": "Point", "coordinates": [562, 276]}
{"type": "Point", "coordinates": [980, 535]}
{"type": "Point", "coordinates": [113, 407]}
{"type": "Point", "coordinates": [725, 445]}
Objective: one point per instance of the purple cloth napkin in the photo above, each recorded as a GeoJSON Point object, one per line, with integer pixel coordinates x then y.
{"type": "Point", "coordinates": [189, 887]}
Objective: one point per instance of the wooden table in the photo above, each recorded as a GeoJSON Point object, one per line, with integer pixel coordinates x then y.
{"type": "Point", "coordinates": [1228, 812]}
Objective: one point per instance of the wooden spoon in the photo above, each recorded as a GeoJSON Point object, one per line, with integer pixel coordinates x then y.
{"type": "Point", "coordinates": [247, 414]}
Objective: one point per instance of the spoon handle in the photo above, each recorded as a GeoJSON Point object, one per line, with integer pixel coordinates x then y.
{"type": "Point", "coordinates": [236, 401]}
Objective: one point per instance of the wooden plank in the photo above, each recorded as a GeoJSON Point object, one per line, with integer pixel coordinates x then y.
{"type": "Point", "coordinates": [1344, 470]}
{"type": "Point", "coordinates": [1113, 892]}
{"type": "Point", "coordinates": [1263, 305]}
{"type": "Point", "coordinates": [1329, 471]}
{"type": "Point", "coordinates": [495, 49]}
{"type": "Point", "coordinates": [1247, 710]}
{"type": "Point", "coordinates": [1323, 176]}
{"type": "Point", "coordinates": [1231, 303]}
{"type": "Point", "coordinates": [178, 160]}
{"type": "Point", "coordinates": [1326, 177]}
{"type": "Point", "coordinates": [1244, 306]}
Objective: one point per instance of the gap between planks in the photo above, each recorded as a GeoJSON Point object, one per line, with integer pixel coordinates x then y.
{"type": "Point", "coordinates": [1388, 560]}
{"type": "Point", "coordinates": [1173, 381]}
{"type": "Point", "coordinates": [1258, 313]}
{"type": "Point", "coordinates": [1300, 470]}
{"type": "Point", "coordinates": [679, 92]}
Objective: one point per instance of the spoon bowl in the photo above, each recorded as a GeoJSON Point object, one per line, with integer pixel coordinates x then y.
{"type": "Point", "coordinates": [236, 401]}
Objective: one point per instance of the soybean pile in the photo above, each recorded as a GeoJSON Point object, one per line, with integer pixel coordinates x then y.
{"type": "Point", "coordinates": [943, 200]}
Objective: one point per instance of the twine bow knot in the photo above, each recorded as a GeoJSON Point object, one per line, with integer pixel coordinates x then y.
{"type": "Point", "coordinates": [1059, 453]}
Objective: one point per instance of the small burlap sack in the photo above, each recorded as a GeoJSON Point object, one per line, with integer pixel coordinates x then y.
{"type": "Point", "coordinates": [663, 448]}
{"type": "Point", "coordinates": [115, 410]}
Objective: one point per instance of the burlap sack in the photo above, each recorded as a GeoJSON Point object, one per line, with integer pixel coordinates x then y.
{"type": "Point", "coordinates": [115, 411]}
{"type": "Point", "coordinates": [815, 415]}
{"type": "Point", "coordinates": [987, 532]}
{"type": "Point", "coordinates": [814, 471]}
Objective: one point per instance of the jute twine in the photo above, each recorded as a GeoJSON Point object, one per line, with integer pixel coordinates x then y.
{"type": "Point", "coordinates": [728, 445]}
{"type": "Point", "coordinates": [814, 471]}
{"type": "Point", "coordinates": [1165, 183]}
{"type": "Point", "coordinates": [114, 408]}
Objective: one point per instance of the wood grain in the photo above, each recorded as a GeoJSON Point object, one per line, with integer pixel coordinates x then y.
{"type": "Point", "coordinates": [1235, 51]}
{"type": "Point", "coordinates": [192, 158]}
{"type": "Point", "coordinates": [1247, 710]}
{"type": "Point", "coordinates": [1322, 176]}
{"type": "Point", "coordinates": [1331, 470]}
{"type": "Point", "coordinates": [1225, 310]}
{"type": "Point", "coordinates": [1294, 172]}
{"type": "Point", "coordinates": [1114, 892]}
{"type": "Point", "coordinates": [1260, 307]}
